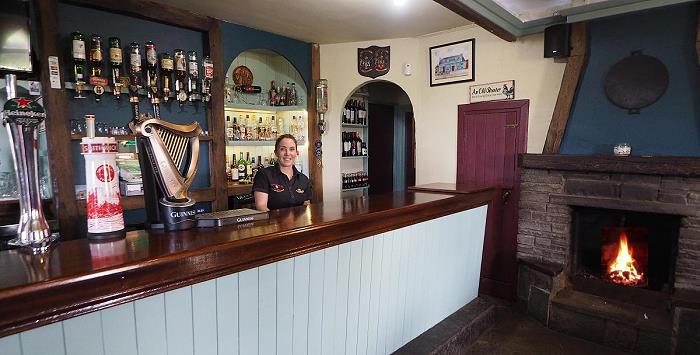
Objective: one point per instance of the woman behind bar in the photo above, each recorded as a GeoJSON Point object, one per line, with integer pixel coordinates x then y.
{"type": "Point", "coordinates": [282, 185]}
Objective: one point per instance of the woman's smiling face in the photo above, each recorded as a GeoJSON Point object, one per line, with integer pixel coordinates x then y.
{"type": "Point", "coordinates": [286, 152]}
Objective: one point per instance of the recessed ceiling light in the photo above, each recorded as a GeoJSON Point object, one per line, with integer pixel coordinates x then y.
{"type": "Point", "coordinates": [400, 2]}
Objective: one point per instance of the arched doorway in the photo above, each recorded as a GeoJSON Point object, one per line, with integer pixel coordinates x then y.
{"type": "Point", "coordinates": [378, 115]}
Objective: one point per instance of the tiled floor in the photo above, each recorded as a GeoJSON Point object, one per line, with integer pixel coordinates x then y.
{"type": "Point", "coordinates": [516, 333]}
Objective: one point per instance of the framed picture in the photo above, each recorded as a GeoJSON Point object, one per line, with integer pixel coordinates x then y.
{"type": "Point", "coordinates": [452, 63]}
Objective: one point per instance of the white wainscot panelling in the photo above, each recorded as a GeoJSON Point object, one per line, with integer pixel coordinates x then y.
{"type": "Point", "coordinates": [369, 296]}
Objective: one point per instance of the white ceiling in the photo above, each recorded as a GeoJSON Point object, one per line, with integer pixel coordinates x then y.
{"type": "Point", "coordinates": [331, 21]}
{"type": "Point", "coordinates": [529, 10]}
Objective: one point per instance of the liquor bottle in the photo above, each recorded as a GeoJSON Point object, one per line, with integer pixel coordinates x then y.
{"type": "Point", "coordinates": [180, 76]}
{"type": "Point", "coordinates": [248, 167]}
{"type": "Point", "coordinates": [229, 129]}
{"type": "Point", "coordinates": [272, 93]}
{"type": "Point", "coordinates": [293, 94]}
{"type": "Point", "coordinates": [246, 127]}
{"type": "Point", "coordinates": [234, 168]}
{"type": "Point", "coordinates": [364, 149]}
{"type": "Point", "coordinates": [301, 129]}
{"type": "Point", "coordinates": [134, 77]}
{"type": "Point", "coordinates": [166, 74]}
{"type": "Point", "coordinates": [343, 144]}
{"type": "Point", "coordinates": [283, 97]}
{"type": "Point", "coordinates": [278, 98]}
{"type": "Point", "coordinates": [192, 77]}
{"type": "Point", "coordinates": [261, 129]}
{"type": "Point", "coordinates": [253, 169]}
{"type": "Point", "coordinates": [236, 129]}
{"type": "Point", "coordinates": [294, 127]}
{"type": "Point", "coordinates": [96, 62]}
{"type": "Point", "coordinates": [241, 166]}
{"type": "Point", "coordinates": [260, 164]}
{"type": "Point", "coordinates": [115, 61]}
{"type": "Point", "coordinates": [151, 76]}
{"type": "Point", "coordinates": [228, 169]}
{"type": "Point", "coordinates": [79, 75]}
{"type": "Point", "coordinates": [207, 78]}
{"type": "Point", "coordinates": [355, 139]}
{"type": "Point", "coordinates": [273, 128]}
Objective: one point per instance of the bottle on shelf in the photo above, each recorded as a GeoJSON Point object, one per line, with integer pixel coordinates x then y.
{"type": "Point", "coordinates": [293, 94]}
{"type": "Point", "coordinates": [272, 94]}
{"type": "Point", "coordinates": [253, 167]}
{"type": "Point", "coordinates": [229, 129]}
{"type": "Point", "coordinates": [247, 126]}
{"type": "Point", "coordinates": [241, 167]}
{"type": "Point", "coordinates": [115, 61]}
{"type": "Point", "coordinates": [79, 70]}
{"type": "Point", "coordinates": [234, 168]}
{"type": "Point", "coordinates": [236, 129]}
{"type": "Point", "coordinates": [180, 76]}
{"type": "Point", "coordinates": [364, 149]}
{"type": "Point", "coordinates": [248, 167]}
{"type": "Point", "coordinates": [228, 170]}
{"type": "Point", "coordinates": [273, 128]}
{"type": "Point", "coordinates": [260, 164]}
{"type": "Point", "coordinates": [166, 74]}
{"type": "Point", "coordinates": [193, 92]}
{"type": "Point", "coordinates": [95, 60]}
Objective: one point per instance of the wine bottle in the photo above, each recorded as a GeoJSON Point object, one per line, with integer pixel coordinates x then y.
{"type": "Point", "coordinates": [193, 92]}
{"type": "Point", "coordinates": [234, 168]}
{"type": "Point", "coordinates": [180, 76]}
{"type": "Point", "coordinates": [166, 74]}
{"type": "Point", "coordinates": [115, 61]}
{"type": "Point", "coordinates": [78, 52]}
{"type": "Point", "coordinates": [241, 165]}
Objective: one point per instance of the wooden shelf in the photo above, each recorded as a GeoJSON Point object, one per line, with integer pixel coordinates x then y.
{"type": "Point", "coordinates": [128, 137]}
{"type": "Point", "coordinates": [250, 143]}
{"type": "Point", "coordinates": [248, 107]}
{"type": "Point", "coordinates": [356, 157]}
{"type": "Point", "coordinates": [352, 125]}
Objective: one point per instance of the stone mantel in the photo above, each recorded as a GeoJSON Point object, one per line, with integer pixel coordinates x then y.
{"type": "Point", "coordinates": [655, 165]}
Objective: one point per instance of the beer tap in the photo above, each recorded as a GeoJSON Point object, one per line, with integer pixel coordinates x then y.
{"type": "Point", "coordinates": [151, 76]}
{"type": "Point", "coordinates": [115, 60]}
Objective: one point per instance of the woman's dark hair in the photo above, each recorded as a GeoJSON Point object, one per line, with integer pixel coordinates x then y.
{"type": "Point", "coordinates": [280, 138]}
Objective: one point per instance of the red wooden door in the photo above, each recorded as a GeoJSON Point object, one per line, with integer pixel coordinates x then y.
{"type": "Point", "coordinates": [490, 137]}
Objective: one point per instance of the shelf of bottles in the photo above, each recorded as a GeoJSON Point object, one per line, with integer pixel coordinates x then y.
{"type": "Point", "coordinates": [272, 103]}
{"type": "Point", "coordinates": [160, 77]}
{"type": "Point", "coordinates": [355, 181]}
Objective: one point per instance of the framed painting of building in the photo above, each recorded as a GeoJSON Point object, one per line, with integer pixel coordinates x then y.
{"type": "Point", "coordinates": [452, 63]}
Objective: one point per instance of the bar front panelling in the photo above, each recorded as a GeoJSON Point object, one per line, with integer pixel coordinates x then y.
{"type": "Point", "coordinates": [370, 296]}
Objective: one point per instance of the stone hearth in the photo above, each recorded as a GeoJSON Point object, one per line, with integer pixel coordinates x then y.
{"type": "Point", "coordinates": [551, 185]}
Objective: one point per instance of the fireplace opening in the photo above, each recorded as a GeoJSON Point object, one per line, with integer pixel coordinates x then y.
{"type": "Point", "coordinates": [625, 248]}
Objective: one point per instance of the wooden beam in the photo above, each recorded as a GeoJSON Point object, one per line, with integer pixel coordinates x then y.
{"type": "Point", "coordinates": [215, 119]}
{"type": "Point", "coordinates": [315, 167]}
{"type": "Point", "coordinates": [465, 11]}
{"type": "Point", "coordinates": [569, 86]}
{"type": "Point", "coordinates": [57, 123]}
{"type": "Point", "coordinates": [150, 11]}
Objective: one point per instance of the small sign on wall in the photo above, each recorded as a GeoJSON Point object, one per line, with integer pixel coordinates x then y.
{"type": "Point", "coordinates": [501, 90]}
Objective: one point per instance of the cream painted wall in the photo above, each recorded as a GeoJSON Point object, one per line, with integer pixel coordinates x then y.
{"type": "Point", "coordinates": [435, 108]}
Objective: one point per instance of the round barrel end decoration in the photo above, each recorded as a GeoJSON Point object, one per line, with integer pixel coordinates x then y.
{"type": "Point", "coordinates": [636, 81]}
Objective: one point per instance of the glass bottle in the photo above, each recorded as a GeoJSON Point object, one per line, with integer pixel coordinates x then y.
{"type": "Point", "coordinates": [180, 76]}
{"type": "Point", "coordinates": [193, 76]}
{"type": "Point", "coordinates": [95, 61]}
{"type": "Point", "coordinates": [151, 72]}
{"type": "Point", "coordinates": [166, 74]}
{"type": "Point", "coordinates": [79, 70]}
{"type": "Point", "coordinates": [207, 78]}
{"type": "Point", "coordinates": [134, 68]}
{"type": "Point", "coordinates": [115, 61]}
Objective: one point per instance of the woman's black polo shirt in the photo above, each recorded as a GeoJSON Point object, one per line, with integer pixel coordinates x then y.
{"type": "Point", "coordinates": [282, 192]}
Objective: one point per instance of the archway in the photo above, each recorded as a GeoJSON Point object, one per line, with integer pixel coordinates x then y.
{"type": "Point", "coordinates": [377, 119]}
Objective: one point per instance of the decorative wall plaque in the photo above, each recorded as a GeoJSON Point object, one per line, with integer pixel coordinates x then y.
{"type": "Point", "coordinates": [373, 61]}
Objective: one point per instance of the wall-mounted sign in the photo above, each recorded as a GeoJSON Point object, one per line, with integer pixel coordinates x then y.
{"type": "Point", "coordinates": [501, 90]}
{"type": "Point", "coordinates": [373, 61]}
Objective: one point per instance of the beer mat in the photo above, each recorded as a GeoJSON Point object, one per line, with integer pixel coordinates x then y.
{"type": "Point", "coordinates": [222, 218]}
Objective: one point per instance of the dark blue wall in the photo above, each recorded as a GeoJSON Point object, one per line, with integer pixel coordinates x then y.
{"type": "Point", "coordinates": [671, 126]}
{"type": "Point", "coordinates": [238, 39]}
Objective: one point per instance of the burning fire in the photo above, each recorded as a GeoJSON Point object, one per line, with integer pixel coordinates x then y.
{"type": "Point", "coordinates": [623, 269]}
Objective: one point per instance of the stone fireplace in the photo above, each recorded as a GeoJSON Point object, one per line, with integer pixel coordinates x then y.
{"type": "Point", "coordinates": [609, 248]}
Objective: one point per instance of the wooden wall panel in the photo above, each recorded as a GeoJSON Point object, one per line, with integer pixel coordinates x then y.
{"type": "Point", "coordinates": [367, 296]}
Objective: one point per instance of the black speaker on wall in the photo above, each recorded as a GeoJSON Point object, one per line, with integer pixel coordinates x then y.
{"type": "Point", "coordinates": [556, 41]}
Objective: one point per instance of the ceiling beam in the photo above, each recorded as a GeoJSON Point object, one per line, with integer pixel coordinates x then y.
{"type": "Point", "coordinates": [465, 11]}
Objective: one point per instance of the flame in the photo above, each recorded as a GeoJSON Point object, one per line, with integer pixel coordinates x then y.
{"type": "Point", "coordinates": [623, 269]}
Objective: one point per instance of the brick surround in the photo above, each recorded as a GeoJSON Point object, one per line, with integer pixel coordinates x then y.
{"type": "Point", "coordinates": [547, 194]}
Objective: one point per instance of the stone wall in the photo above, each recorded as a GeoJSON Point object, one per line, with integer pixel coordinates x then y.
{"type": "Point", "coordinates": [545, 216]}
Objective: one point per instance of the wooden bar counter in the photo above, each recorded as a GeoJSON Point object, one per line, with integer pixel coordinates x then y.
{"type": "Point", "coordinates": [77, 277]}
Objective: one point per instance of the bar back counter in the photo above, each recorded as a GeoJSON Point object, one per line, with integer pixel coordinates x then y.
{"type": "Point", "coordinates": [353, 276]}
